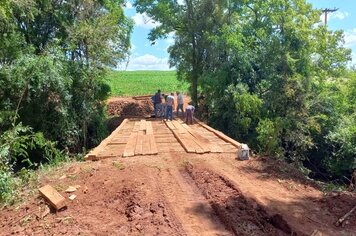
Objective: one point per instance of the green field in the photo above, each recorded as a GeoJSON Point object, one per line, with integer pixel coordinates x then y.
{"type": "Point", "coordinates": [133, 83]}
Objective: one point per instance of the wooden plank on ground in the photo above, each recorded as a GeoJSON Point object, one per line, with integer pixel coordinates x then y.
{"type": "Point", "coordinates": [139, 143]}
{"type": "Point", "coordinates": [131, 143]}
{"type": "Point", "coordinates": [185, 139]}
{"type": "Point", "coordinates": [170, 125]}
{"type": "Point", "coordinates": [213, 147]}
{"type": "Point", "coordinates": [195, 143]}
{"type": "Point", "coordinates": [149, 129]}
{"type": "Point", "coordinates": [187, 147]}
{"type": "Point", "coordinates": [203, 143]}
{"type": "Point", "coordinates": [92, 155]}
{"type": "Point", "coordinates": [52, 196]}
{"type": "Point", "coordinates": [166, 139]}
{"type": "Point", "coordinates": [143, 125]}
{"type": "Point", "coordinates": [136, 127]}
{"type": "Point", "coordinates": [151, 138]}
{"type": "Point", "coordinates": [220, 135]}
{"type": "Point", "coordinates": [146, 145]}
{"type": "Point", "coordinates": [179, 127]}
{"type": "Point", "coordinates": [153, 145]}
{"type": "Point", "coordinates": [144, 97]}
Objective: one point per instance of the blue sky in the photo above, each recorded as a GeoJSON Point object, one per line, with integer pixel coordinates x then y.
{"type": "Point", "coordinates": [144, 56]}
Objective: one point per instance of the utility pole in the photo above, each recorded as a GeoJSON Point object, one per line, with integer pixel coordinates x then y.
{"type": "Point", "coordinates": [326, 11]}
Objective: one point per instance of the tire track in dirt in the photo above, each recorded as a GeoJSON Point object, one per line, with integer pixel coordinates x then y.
{"type": "Point", "coordinates": [240, 215]}
{"type": "Point", "coordinates": [299, 206]}
{"type": "Point", "coordinates": [189, 206]}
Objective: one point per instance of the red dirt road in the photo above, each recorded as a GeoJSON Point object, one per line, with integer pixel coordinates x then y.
{"type": "Point", "coordinates": [179, 193]}
{"type": "Point", "coordinates": [182, 194]}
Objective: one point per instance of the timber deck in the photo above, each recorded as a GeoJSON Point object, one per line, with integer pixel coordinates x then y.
{"type": "Point", "coordinates": [151, 137]}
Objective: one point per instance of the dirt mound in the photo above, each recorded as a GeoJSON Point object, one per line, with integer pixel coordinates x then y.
{"type": "Point", "coordinates": [240, 215]}
{"type": "Point", "coordinates": [129, 107]}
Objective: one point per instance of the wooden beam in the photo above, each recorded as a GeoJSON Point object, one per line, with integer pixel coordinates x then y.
{"type": "Point", "coordinates": [212, 147]}
{"type": "Point", "coordinates": [139, 143]}
{"type": "Point", "coordinates": [143, 125]}
{"type": "Point", "coordinates": [92, 155]}
{"type": "Point", "coordinates": [151, 138]}
{"type": "Point", "coordinates": [170, 125]}
{"type": "Point", "coordinates": [129, 150]}
{"type": "Point", "coordinates": [146, 145]}
{"type": "Point", "coordinates": [52, 196]}
{"type": "Point", "coordinates": [220, 135]}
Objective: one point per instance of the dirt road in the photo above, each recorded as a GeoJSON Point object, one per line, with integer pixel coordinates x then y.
{"type": "Point", "coordinates": [179, 193]}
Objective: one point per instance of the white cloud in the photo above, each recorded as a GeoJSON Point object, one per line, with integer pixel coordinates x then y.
{"type": "Point", "coordinates": [144, 21]}
{"type": "Point", "coordinates": [350, 38]}
{"type": "Point", "coordinates": [339, 15]}
{"type": "Point", "coordinates": [128, 5]}
{"type": "Point", "coordinates": [148, 62]}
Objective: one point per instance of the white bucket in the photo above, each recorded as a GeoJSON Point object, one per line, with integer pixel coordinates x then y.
{"type": "Point", "coordinates": [243, 153]}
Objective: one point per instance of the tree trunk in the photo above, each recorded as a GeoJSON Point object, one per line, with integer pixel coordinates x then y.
{"type": "Point", "coordinates": [195, 89]}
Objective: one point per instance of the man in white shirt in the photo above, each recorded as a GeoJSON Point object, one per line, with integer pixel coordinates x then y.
{"type": "Point", "coordinates": [180, 102]}
{"type": "Point", "coordinates": [169, 106]}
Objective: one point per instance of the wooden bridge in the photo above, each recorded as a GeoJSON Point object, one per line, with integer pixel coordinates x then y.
{"type": "Point", "coordinates": [151, 137]}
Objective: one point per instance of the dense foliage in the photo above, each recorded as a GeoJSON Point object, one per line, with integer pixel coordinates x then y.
{"type": "Point", "coordinates": [53, 56]}
{"type": "Point", "coordinates": [269, 73]}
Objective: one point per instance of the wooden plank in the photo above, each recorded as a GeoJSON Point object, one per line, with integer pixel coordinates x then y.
{"type": "Point", "coordinates": [118, 140]}
{"type": "Point", "coordinates": [153, 145]}
{"type": "Point", "coordinates": [111, 151]}
{"type": "Point", "coordinates": [92, 155]}
{"type": "Point", "coordinates": [146, 145]}
{"type": "Point", "coordinates": [143, 97]}
{"type": "Point", "coordinates": [179, 126]}
{"type": "Point", "coordinates": [202, 142]}
{"type": "Point", "coordinates": [185, 139]}
{"type": "Point", "coordinates": [143, 125]}
{"type": "Point", "coordinates": [149, 129]}
{"type": "Point", "coordinates": [151, 138]}
{"type": "Point", "coordinates": [53, 197]}
{"type": "Point", "coordinates": [139, 143]}
{"type": "Point", "coordinates": [129, 150]}
{"type": "Point", "coordinates": [186, 145]}
{"type": "Point", "coordinates": [166, 140]}
{"type": "Point", "coordinates": [220, 135]}
{"type": "Point", "coordinates": [212, 146]}
{"type": "Point", "coordinates": [136, 127]}
{"type": "Point", "coordinates": [170, 125]}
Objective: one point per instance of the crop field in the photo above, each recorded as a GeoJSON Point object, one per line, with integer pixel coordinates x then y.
{"type": "Point", "coordinates": [133, 83]}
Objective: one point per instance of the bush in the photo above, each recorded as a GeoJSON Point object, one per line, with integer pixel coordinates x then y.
{"type": "Point", "coordinates": [7, 186]}
{"type": "Point", "coordinates": [269, 137]}
{"type": "Point", "coordinates": [20, 147]}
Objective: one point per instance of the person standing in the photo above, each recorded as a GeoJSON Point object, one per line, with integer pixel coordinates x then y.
{"type": "Point", "coordinates": [163, 111]}
{"type": "Point", "coordinates": [169, 106]}
{"type": "Point", "coordinates": [189, 110]}
{"type": "Point", "coordinates": [157, 103]}
{"type": "Point", "coordinates": [180, 103]}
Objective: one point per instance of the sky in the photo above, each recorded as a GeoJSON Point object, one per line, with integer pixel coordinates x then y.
{"type": "Point", "coordinates": [145, 56]}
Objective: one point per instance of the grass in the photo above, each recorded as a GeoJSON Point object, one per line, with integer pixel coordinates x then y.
{"type": "Point", "coordinates": [133, 83]}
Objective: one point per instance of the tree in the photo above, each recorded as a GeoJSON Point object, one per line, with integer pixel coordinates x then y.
{"type": "Point", "coordinates": [190, 25]}
{"type": "Point", "coordinates": [259, 66]}
{"type": "Point", "coordinates": [53, 59]}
